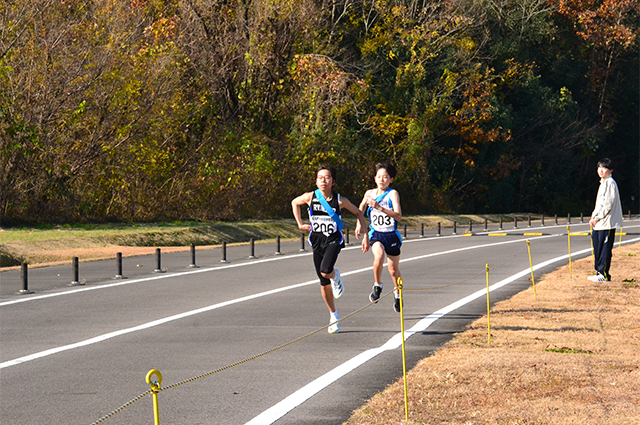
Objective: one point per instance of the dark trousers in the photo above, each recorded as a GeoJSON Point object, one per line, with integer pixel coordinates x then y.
{"type": "Point", "coordinates": [603, 241]}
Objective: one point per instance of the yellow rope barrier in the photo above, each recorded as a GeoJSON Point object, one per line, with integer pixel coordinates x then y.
{"type": "Point", "coordinates": [404, 359]}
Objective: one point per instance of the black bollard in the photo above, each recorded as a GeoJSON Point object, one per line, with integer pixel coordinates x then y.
{"type": "Point", "coordinates": [515, 222]}
{"type": "Point", "coordinates": [568, 218]}
{"type": "Point", "coordinates": [405, 231]}
{"type": "Point", "coordinates": [486, 224]}
{"type": "Point", "coordinates": [193, 257]}
{"type": "Point", "coordinates": [24, 274]}
{"type": "Point", "coordinates": [470, 226]}
{"type": "Point", "coordinates": [542, 220]}
{"type": "Point", "coordinates": [346, 233]}
{"type": "Point", "coordinates": [581, 218]}
{"type": "Point", "coordinates": [278, 245]}
{"type": "Point", "coordinates": [556, 217]}
{"type": "Point", "coordinates": [500, 228]}
{"type": "Point", "coordinates": [224, 253]}
{"type": "Point", "coordinates": [158, 261]}
{"type": "Point", "coordinates": [438, 234]}
{"type": "Point", "coordinates": [422, 230]}
{"type": "Point", "coordinates": [302, 243]}
{"type": "Point", "coordinates": [455, 226]}
{"type": "Point", "coordinates": [118, 266]}
{"type": "Point", "coordinates": [253, 251]}
{"type": "Point", "coordinates": [76, 272]}
{"type": "Point", "coordinates": [529, 221]}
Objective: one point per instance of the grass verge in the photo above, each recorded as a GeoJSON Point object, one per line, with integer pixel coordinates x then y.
{"type": "Point", "coordinates": [570, 356]}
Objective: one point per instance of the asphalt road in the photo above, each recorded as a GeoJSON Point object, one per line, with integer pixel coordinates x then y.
{"type": "Point", "coordinates": [251, 330]}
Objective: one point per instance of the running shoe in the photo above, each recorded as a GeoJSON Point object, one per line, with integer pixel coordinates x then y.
{"type": "Point", "coordinates": [374, 296]}
{"type": "Point", "coordinates": [396, 305]}
{"type": "Point", "coordinates": [597, 278]}
{"type": "Point", "coordinates": [336, 285]}
{"type": "Point", "coordinates": [334, 326]}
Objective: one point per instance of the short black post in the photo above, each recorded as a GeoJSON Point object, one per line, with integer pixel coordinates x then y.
{"type": "Point", "coordinates": [515, 222]}
{"type": "Point", "coordinates": [629, 214]}
{"type": "Point", "coordinates": [193, 257]}
{"type": "Point", "coordinates": [24, 274]}
{"type": "Point", "coordinates": [439, 234]}
{"type": "Point", "coordinates": [158, 261]}
{"type": "Point", "coordinates": [422, 230]}
{"type": "Point", "coordinates": [405, 231]}
{"type": "Point", "coordinates": [118, 266]}
{"type": "Point", "coordinates": [569, 218]}
{"type": "Point", "coordinates": [486, 224]}
{"type": "Point", "coordinates": [455, 226]}
{"type": "Point", "coordinates": [500, 228]}
{"type": "Point", "coordinates": [581, 217]}
{"type": "Point", "coordinates": [253, 251]}
{"type": "Point", "coordinates": [302, 243]}
{"type": "Point", "coordinates": [278, 245]}
{"type": "Point", "coordinates": [470, 226]}
{"type": "Point", "coordinates": [346, 233]}
{"type": "Point", "coordinates": [556, 217]}
{"type": "Point", "coordinates": [542, 219]}
{"type": "Point", "coordinates": [529, 223]}
{"type": "Point", "coordinates": [224, 252]}
{"type": "Point", "coordinates": [76, 272]}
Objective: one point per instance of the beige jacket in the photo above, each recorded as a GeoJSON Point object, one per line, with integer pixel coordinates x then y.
{"type": "Point", "coordinates": [608, 210]}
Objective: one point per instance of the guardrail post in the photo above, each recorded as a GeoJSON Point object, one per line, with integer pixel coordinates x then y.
{"type": "Point", "coordinates": [346, 231]}
{"type": "Point", "coordinates": [76, 272]}
{"type": "Point", "coordinates": [438, 234]}
{"type": "Point", "coordinates": [529, 221]}
{"type": "Point", "coordinates": [581, 217]}
{"type": "Point", "coordinates": [158, 261]}
{"type": "Point", "coordinates": [24, 274]}
{"type": "Point", "coordinates": [470, 226]}
{"type": "Point", "coordinates": [455, 225]}
{"type": "Point", "coordinates": [500, 228]}
{"type": "Point", "coordinates": [556, 217]}
{"type": "Point", "coordinates": [569, 218]}
{"type": "Point", "coordinates": [629, 214]}
{"type": "Point", "coordinates": [486, 224]}
{"type": "Point", "coordinates": [278, 245]}
{"type": "Point", "coordinates": [253, 251]}
{"type": "Point", "coordinates": [422, 230]}
{"type": "Point", "coordinates": [193, 257]}
{"type": "Point", "coordinates": [515, 222]}
{"type": "Point", "coordinates": [118, 266]}
{"type": "Point", "coordinates": [405, 231]}
{"type": "Point", "coordinates": [302, 249]}
{"type": "Point", "coordinates": [224, 252]}
{"type": "Point", "coordinates": [542, 219]}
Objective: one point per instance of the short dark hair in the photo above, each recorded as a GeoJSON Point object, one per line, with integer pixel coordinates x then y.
{"type": "Point", "coordinates": [606, 163]}
{"type": "Point", "coordinates": [391, 170]}
{"type": "Point", "coordinates": [331, 169]}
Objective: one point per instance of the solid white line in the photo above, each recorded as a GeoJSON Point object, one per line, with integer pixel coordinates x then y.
{"type": "Point", "coordinates": [280, 409]}
{"type": "Point", "coordinates": [162, 321]}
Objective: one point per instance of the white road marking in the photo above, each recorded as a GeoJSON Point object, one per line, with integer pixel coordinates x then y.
{"type": "Point", "coordinates": [280, 409]}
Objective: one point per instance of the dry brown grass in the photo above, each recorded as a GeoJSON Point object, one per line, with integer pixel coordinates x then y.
{"type": "Point", "coordinates": [571, 356]}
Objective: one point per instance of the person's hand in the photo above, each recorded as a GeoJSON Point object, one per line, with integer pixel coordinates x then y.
{"type": "Point", "coordinates": [373, 204]}
{"type": "Point", "coordinates": [365, 243]}
{"type": "Point", "coordinates": [592, 222]}
{"type": "Point", "coordinates": [358, 230]}
{"type": "Point", "coordinates": [305, 227]}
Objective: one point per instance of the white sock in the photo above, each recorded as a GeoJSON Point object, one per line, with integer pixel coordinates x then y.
{"type": "Point", "coordinates": [377, 284]}
{"type": "Point", "coordinates": [334, 315]}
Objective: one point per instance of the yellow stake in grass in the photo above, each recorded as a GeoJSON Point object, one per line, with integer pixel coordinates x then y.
{"type": "Point", "coordinates": [569, 240]}
{"type": "Point", "coordinates": [155, 387]}
{"type": "Point", "coordinates": [404, 360]}
{"type": "Point", "coordinates": [488, 310]}
{"type": "Point", "coordinates": [533, 280]}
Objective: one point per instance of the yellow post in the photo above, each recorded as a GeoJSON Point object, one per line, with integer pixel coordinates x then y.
{"type": "Point", "coordinates": [533, 280]}
{"type": "Point", "coordinates": [620, 243]}
{"type": "Point", "coordinates": [404, 359]}
{"type": "Point", "coordinates": [593, 258]}
{"type": "Point", "coordinates": [155, 387]}
{"type": "Point", "coordinates": [569, 241]}
{"type": "Point", "coordinates": [488, 310]}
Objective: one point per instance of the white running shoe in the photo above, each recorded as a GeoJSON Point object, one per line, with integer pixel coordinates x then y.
{"type": "Point", "coordinates": [597, 278]}
{"type": "Point", "coordinates": [336, 285]}
{"type": "Point", "coordinates": [334, 328]}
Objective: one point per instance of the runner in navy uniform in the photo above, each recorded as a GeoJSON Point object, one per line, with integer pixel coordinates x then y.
{"type": "Point", "coordinates": [325, 235]}
{"type": "Point", "coordinates": [382, 206]}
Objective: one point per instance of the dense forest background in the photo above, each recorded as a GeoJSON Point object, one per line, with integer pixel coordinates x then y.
{"type": "Point", "coordinates": [143, 110]}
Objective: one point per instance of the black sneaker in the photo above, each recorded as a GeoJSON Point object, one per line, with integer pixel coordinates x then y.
{"type": "Point", "coordinates": [374, 296]}
{"type": "Point", "coordinates": [396, 305]}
